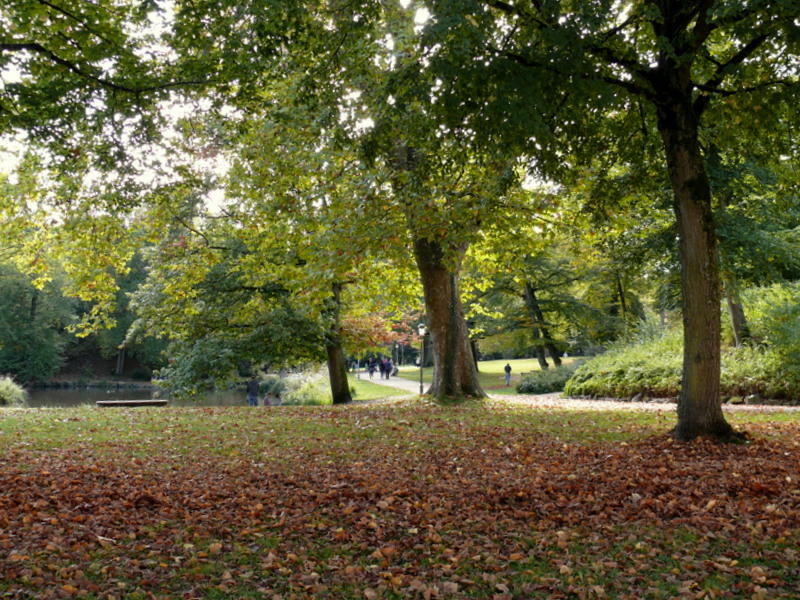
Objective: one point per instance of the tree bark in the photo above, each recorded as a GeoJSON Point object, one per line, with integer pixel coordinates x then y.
{"type": "Point", "coordinates": [540, 326]}
{"type": "Point", "coordinates": [337, 365]}
{"type": "Point", "coordinates": [454, 372]}
{"type": "Point", "coordinates": [531, 304]}
{"type": "Point", "coordinates": [120, 361]}
{"type": "Point", "coordinates": [699, 408]}
{"type": "Point", "coordinates": [741, 330]}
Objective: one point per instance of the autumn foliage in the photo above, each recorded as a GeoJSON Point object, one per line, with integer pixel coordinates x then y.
{"type": "Point", "coordinates": [404, 501]}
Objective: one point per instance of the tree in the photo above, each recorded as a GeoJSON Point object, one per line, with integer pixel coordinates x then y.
{"type": "Point", "coordinates": [439, 246]}
{"type": "Point", "coordinates": [757, 218]}
{"type": "Point", "coordinates": [82, 77]}
{"type": "Point", "coordinates": [32, 326]}
{"type": "Point", "coordinates": [673, 62]}
{"type": "Point", "coordinates": [341, 64]}
{"type": "Point", "coordinates": [218, 318]}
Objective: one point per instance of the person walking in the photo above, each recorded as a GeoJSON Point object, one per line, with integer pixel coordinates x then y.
{"type": "Point", "coordinates": [507, 369]}
{"type": "Point", "coordinates": [382, 368]}
{"type": "Point", "coordinates": [252, 391]}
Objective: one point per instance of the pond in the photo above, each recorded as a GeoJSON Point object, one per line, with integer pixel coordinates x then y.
{"type": "Point", "coordinates": [62, 397]}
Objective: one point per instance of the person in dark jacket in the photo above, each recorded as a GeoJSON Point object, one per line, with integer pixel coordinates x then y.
{"type": "Point", "coordinates": [252, 391]}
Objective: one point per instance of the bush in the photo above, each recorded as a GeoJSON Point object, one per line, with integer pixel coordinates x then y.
{"type": "Point", "coordinates": [543, 382]}
{"type": "Point", "coordinates": [759, 370]}
{"type": "Point", "coordinates": [654, 368]}
{"type": "Point", "coordinates": [11, 394]}
{"type": "Point", "coordinates": [651, 367]}
{"type": "Point", "coordinates": [272, 384]}
{"type": "Point", "coordinates": [309, 388]}
{"type": "Point", "coordinates": [773, 313]}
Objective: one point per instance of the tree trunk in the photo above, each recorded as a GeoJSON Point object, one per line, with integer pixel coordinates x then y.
{"type": "Point", "coordinates": [120, 361]}
{"type": "Point", "coordinates": [741, 330]}
{"type": "Point", "coordinates": [551, 348]}
{"type": "Point", "coordinates": [540, 325]}
{"type": "Point", "coordinates": [532, 304]}
{"type": "Point", "coordinates": [699, 408]}
{"type": "Point", "coordinates": [34, 304]}
{"type": "Point", "coordinates": [337, 365]}
{"type": "Point", "coordinates": [622, 304]}
{"type": "Point", "coordinates": [454, 373]}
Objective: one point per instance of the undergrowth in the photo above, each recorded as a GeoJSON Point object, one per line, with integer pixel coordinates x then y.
{"type": "Point", "coordinates": [544, 382]}
{"type": "Point", "coordinates": [653, 368]}
{"type": "Point", "coordinates": [12, 394]}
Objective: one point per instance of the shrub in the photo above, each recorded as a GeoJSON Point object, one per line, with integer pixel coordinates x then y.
{"type": "Point", "coordinates": [272, 384]}
{"type": "Point", "coordinates": [654, 368]}
{"type": "Point", "coordinates": [773, 313]}
{"type": "Point", "coordinates": [759, 370]}
{"type": "Point", "coordinates": [11, 394]}
{"type": "Point", "coordinates": [651, 367]}
{"type": "Point", "coordinates": [308, 388]}
{"type": "Point", "coordinates": [543, 382]}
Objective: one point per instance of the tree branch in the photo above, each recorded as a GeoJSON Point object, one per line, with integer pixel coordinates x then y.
{"type": "Point", "coordinates": [712, 85]}
{"type": "Point", "coordinates": [82, 21]}
{"type": "Point", "coordinates": [37, 48]}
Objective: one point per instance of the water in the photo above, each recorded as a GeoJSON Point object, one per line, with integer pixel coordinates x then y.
{"type": "Point", "coordinates": [57, 397]}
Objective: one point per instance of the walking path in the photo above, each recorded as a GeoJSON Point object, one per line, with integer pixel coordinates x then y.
{"type": "Point", "coordinates": [555, 400]}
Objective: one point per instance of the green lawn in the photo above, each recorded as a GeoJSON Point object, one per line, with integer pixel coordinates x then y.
{"type": "Point", "coordinates": [490, 372]}
{"type": "Point", "coordinates": [364, 390]}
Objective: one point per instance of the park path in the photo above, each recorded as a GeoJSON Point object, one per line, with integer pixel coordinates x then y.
{"type": "Point", "coordinates": [556, 401]}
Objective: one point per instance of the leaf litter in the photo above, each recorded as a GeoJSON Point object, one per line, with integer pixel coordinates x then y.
{"type": "Point", "coordinates": [391, 502]}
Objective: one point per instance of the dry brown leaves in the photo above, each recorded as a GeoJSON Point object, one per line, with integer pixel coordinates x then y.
{"type": "Point", "coordinates": [419, 507]}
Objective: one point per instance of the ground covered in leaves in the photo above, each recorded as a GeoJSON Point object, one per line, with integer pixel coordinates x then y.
{"type": "Point", "coordinates": [402, 501]}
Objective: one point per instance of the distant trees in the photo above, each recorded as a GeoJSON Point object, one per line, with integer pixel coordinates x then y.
{"type": "Point", "coordinates": [32, 326]}
{"type": "Point", "coordinates": [36, 336]}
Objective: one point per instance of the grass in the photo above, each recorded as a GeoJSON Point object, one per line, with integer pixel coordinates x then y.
{"type": "Point", "coordinates": [408, 499]}
{"type": "Point", "coordinates": [364, 390]}
{"type": "Point", "coordinates": [491, 375]}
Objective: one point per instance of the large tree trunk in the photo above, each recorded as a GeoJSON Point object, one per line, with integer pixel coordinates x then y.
{"type": "Point", "coordinates": [454, 373]}
{"type": "Point", "coordinates": [337, 365]}
{"type": "Point", "coordinates": [699, 408]}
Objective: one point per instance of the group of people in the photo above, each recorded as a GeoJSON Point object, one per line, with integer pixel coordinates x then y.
{"type": "Point", "coordinates": [386, 367]}
{"type": "Point", "coordinates": [270, 399]}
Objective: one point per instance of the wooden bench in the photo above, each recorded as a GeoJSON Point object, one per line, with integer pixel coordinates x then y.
{"type": "Point", "coordinates": [149, 402]}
